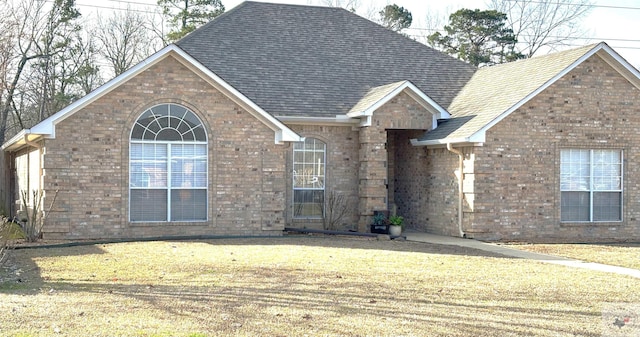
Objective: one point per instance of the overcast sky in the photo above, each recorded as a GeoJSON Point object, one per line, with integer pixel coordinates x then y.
{"type": "Point", "coordinates": [616, 22]}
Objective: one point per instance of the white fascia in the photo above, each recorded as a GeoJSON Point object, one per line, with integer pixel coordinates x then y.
{"type": "Point", "coordinates": [338, 120]}
{"type": "Point", "coordinates": [610, 56]}
{"type": "Point", "coordinates": [617, 62]}
{"type": "Point", "coordinates": [282, 132]}
{"type": "Point", "coordinates": [15, 139]}
{"type": "Point", "coordinates": [476, 139]}
{"type": "Point", "coordinates": [47, 126]}
{"type": "Point", "coordinates": [438, 111]}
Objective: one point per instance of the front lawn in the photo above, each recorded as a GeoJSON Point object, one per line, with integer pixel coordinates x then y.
{"type": "Point", "coordinates": [622, 255]}
{"type": "Point", "coordinates": [301, 286]}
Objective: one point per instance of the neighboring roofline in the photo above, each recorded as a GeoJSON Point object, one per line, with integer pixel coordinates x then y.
{"type": "Point", "coordinates": [622, 66]}
{"type": "Point", "coordinates": [343, 120]}
{"type": "Point", "coordinates": [414, 93]}
{"type": "Point", "coordinates": [47, 126]}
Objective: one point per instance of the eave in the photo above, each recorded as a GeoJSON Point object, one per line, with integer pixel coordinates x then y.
{"type": "Point", "coordinates": [46, 128]}
{"type": "Point", "coordinates": [365, 111]}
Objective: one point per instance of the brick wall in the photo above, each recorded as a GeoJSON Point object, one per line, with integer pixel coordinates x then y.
{"type": "Point", "coordinates": [426, 187]}
{"type": "Point", "coordinates": [379, 166]}
{"type": "Point", "coordinates": [341, 170]}
{"type": "Point", "coordinates": [517, 170]}
{"type": "Point", "coordinates": [88, 162]}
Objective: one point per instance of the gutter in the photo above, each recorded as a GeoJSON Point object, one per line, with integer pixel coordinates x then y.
{"type": "Point", "coordinates": [460, 187]}
{"type": "Point", "coordinates": [303, 120]}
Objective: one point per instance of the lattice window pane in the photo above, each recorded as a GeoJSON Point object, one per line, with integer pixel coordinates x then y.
{"type": "Point", "coordinates": [168, 172]}
{"type": "Point", "coordinates": [309, 178]}
{"type": "Point", "coordinates": [574, 206]}
{"type": "Point", "coordinates": [607, 206]}
{"type": "Point", "coordinates": [188, 205]}
{"type": "Point", "coordinates": [308, 203]}
{"type": "Point", "coordinates": [148, 205]}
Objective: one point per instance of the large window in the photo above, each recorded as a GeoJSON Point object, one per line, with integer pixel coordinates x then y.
{"type": "Point", "coordinates": [308, 178]}
{"type": "Point", "coordinates": [590, 185]}
{"type": "Point", "coordinates": [168, 166]}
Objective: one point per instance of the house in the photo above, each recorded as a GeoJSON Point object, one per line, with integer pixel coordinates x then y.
{"type": "Point", "coordinates": [257, 120]}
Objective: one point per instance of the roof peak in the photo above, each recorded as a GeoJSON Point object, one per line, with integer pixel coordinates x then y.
{"type": "Point", "coordinates": [316, 61]}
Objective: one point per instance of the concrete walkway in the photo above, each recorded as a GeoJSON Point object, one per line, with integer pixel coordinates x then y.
{"type": "Point", "coordinates": [516, 253]}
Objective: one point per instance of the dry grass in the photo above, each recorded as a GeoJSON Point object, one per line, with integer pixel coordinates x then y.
{"type": "Point", "coordinates": [622, 255]}
{"type": "Point", "coordinates": [299, 286]}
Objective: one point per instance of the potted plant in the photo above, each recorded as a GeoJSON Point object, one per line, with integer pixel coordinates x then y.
{"type": "Point", "coordinates": [380, 224]}
{"type": "Point", "coordinates": [396, 223]}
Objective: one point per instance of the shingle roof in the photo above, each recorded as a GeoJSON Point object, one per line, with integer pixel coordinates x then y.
{"type": "Point", "coordinates": [494, 90]}
{"type": "Point", "coordinates": [374, 95]}
{"type": "Point", "coordinates": [296, 60]}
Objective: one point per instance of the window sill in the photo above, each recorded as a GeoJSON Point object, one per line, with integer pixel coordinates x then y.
{"type": "Point", "coordinates": [169, 223]}
{"type": "Point", "coordinates": [595, 224]}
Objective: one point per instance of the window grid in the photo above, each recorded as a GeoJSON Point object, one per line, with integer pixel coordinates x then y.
{"type": "Point", "coordinates": [309, 158]}
{"type": "Point", "coordinates": [168, 174]}
{"type": "Point", "coordinates": [591, 185]}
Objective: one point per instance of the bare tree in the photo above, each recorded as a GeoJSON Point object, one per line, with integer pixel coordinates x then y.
{"type": "Point", "coordinates": [124, 39]}
{"type": "Point", "coordinates": [336, 209]}
{"type": "Point", "coordinates": [355, 6]}
{"type": "Point", "coordinates": [41, 30]}
{"type": "Point", "coordinates": [547, 24]}
{"type": "Point", "coordinates": [8, 38]}
{"type": "Point", "coordinates": [351, 5]}
{"type": "Point", "coordinates": [83, 56]}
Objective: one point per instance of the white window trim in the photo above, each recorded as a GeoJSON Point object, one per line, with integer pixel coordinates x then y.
{"type": "Point", "coordinates": [169, 186]}
{"type": "Point", "coordinates": [591, 190]}
{"type": "Point", "coordinates": [323, 189]}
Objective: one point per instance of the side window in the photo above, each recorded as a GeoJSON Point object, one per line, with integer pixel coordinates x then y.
{"type": "Point", "coordinates": [309, 178]}
{"type": "Point", "coordinates": [590, 185]}
{"type": "Point", "coordinates": [168, 166]}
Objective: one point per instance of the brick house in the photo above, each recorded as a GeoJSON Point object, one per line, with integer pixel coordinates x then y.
{"type": "Point", "coordinates": [258, 119]}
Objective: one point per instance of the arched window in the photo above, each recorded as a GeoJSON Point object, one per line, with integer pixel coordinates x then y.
{"type": "Point", "coordinates": [308, 178]}
{"type": "Point", "coordinates": [168, 166]}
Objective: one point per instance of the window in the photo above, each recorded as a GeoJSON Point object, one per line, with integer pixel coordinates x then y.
{"type": "Point", "coordinates": [27, 176]}
{"type": "Point", "coordinates": [590, 185]}
{"type": "Point", "coordinates": [308, 178]}
{"type": "Point", "coordinates": [168, 166]}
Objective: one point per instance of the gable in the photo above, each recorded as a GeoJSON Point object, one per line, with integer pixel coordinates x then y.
{"type": "Point", "coordinates": [495, 92]}
{"type": "Point", "coordinates": [379, 96]}
{"type": "Point", "coordinates": [592, 105]}
{"type": "Point", "coordinates": [47, 127]}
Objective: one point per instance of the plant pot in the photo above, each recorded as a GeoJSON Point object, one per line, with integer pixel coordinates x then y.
{"type": "Point", "coordinates": [395, 230]}
{"type": "Point", "coordinates": [380, 229]}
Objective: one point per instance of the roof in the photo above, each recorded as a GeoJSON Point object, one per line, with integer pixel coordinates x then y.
{"type": "Point", "coordinates": [378, 96]}
{"type": "Point", "coordinates": [46, 128]}
{"type": "Point", "coordinates": [311, 61]}
{"type": "Point", "coordinates": [494, 92]}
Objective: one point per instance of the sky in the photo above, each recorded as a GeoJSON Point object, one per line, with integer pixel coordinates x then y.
{"type": "Point", "coordinates": [616, 22]}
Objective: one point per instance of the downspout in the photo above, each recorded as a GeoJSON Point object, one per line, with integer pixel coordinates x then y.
{"type": "Point", "coordinates": [460, 187]}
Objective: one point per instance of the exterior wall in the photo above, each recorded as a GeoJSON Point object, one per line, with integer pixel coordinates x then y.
{"type": "Point", "coordinates": [27, 177]}
{"type": "Point", "coordinates": [88, 162]}
{"type": "Point", "coordinates": [426, 187]}
{"type": "Point", "coordinates": [341, 170]}
{"type": "Point", "coordinates": [6, 181]}
{"type": "Point", "coordinates": [516, 183]}
{"type": "Point", "coordinates": [400, 113]}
